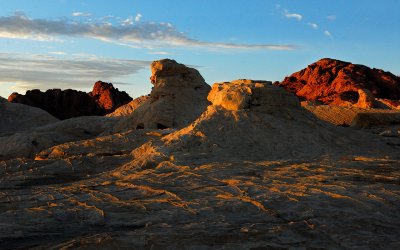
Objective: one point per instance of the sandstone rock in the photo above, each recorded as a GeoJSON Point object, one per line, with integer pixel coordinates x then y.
{"type": "Point", "coordinates": [107, 97]}
{"type": "Point", "coordinates": [69, 103]}
{"type": "Point", "coordinates": [256, 173]}
{"type": "Point", "coordinates": [62, 104]}
{"type": "Point", "coordinates": [15, 117]}
{"type": "Point", "coordinates": [128, 108]}
{"type": "Point", "coordinates": [246, 94]}
{"type": "Point", "coordinates": [366, 99]}
{"type": "Point", "coordinates": [337, 82]}
{"type": "Point", "coordinates": [178, 97]}
{"type": "Point", "coordinates": [29, 142]}
{"type": "Point", "coordinates": [375, 119]}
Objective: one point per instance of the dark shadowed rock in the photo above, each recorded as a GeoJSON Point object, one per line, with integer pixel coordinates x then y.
{"type": "Point", "coordinates": [69, 103]}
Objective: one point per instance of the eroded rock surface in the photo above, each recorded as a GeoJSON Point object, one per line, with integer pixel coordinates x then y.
{"type": "Point", "coordinates": [337, 82]}
{"type": "Point", "coordinates": [15, 117]}
{"type": "Point", "coordinates": [128, 108]}
{"type": "Point", "coordinates": [252, 173]}
{"type": "Point", "coordinates": [178, 97]}
{"type": "Point", "coordinates": [29, 142]}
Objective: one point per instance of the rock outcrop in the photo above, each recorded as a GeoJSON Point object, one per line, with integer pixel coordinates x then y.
{"type": "Point", "coordinates": [26, 143]}
{"type": "Point", "coordinates": [65, 104]}
{"type": "Point", "coordinates": [128, 108]}
{"type": "Point", "coordinates": [246, 94]}
{"type": "Point", "coordinates": [15, 117]}
{"type": "Point", "coordinates": [254, 170]}
{"type": "Point", "coordinates": [178, 97]}
{"type": "Point", "coordinates": [107, 97]}
{"type": "Point", "coordinates": [338, 83]}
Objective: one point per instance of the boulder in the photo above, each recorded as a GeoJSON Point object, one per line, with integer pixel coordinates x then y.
{"type": "Point", "coordinates": [178, 97]}
{"type": "Point", "coordinates": [337, 82]}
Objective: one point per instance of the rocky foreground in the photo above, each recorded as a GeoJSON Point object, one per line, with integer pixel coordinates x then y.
{"type": "Point", "coordinates": [240, 166]}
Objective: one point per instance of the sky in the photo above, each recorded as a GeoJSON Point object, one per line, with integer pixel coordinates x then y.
{"type": "Point", "coordinates": [47, 44]}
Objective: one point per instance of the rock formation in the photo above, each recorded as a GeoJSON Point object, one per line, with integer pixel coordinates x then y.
{"type": "Point", "coordinates": [69, 103]}
{"type": "Point", "coordinates": [338, 83]}
{"type": "Point", "coordinates": [107, 97]}
{"type": "Point", "coordinates": [28, 142]}
{"type": "Point", "coordinates": [128, 108]}
{"type": "Point", "coordinates": [178, 97]}
{"type": "Point", "coordinates": [15, 117]}
{"type": "Point", "coordinates": [252, 170]}
{"type": "Point", "coordinates": [246, 94]}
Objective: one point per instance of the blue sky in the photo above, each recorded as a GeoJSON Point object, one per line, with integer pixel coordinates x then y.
{"type": "Point", "coordinates": [73, 43]}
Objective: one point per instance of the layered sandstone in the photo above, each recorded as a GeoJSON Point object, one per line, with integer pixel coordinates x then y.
{"type": "Point", "coordinates": [178, 97]}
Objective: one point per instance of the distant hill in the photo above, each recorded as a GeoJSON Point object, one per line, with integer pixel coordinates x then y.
{"type": "Point", "coordinates": [337, 82]}
{"type": "Point", "coordinates": [64, 104]}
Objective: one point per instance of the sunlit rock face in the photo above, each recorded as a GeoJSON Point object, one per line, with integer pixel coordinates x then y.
{"type": "Point", "coordinates": [246, 94]}
{"type": "Point", "coordinates": [128, 108]}
{"type": "Point", "coordinates": [69, 103]}
{"type": "Point", "coordinates": [107, 97]}
{"type": "Point", "coordinates": [337, 82]}
{"type": "Point", "coordinates": [178, 97]}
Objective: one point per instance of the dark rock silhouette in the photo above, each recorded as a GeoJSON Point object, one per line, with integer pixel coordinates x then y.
{"type": "Point", "coordinates": [69, 103]}
{"type": "Point", "coordinates": [338, 83]}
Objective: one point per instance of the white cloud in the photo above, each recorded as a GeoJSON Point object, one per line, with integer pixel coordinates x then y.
{"type": "Point", "coordinates": [128, 21]}
{"type": "Point", "coordinates": [293, 15]}
{"type": "Point", "coordinates": [28, 71]}
{"type": "Point", "coordinates": [57, 53]}
{"type": "Point", "coordinates": [81, 14]}
{"type": "Point", "coordinates": [313, 25]}
{"type": "Point", "coordinates": [138, 34]}
{"type": "Point", "coordinates": [327, 33]}
{"type": "Point", "coordinates": [160, 53]}
{"type": "Point", "coordinates": [138, 17]}
{"type": "Point", "coordinates": [331, 17]}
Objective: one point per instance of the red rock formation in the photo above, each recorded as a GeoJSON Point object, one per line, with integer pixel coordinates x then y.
{"type": "Point", "coordinates": [108, 97]}
{"type": "Point", "coordinates": [336, 82]}
{"type": "Point", "coordinates": [69, 103]}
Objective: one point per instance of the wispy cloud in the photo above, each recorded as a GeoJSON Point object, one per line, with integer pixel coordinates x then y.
{"type": "Point", "coordinates": [27, 71]}
{"type": "Point", "coordinates": [57, 53]}
{"type": "Point", "coordinates": [160, 53]}
{"type": "Point", "coordinates": [134, 34]}
{"type": "Point", "coordinates": [331, 18]}
{"type": "Point", "coordinates": [313, 25]}
{"type": "Point", "coordinates": [297, 16]}
{"type": "Point", "coordinates": [81, 14]}
{"type": "Point", "coordinates": [327, 33]}
{"type": "Point", "coordinates": [138, 17]}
